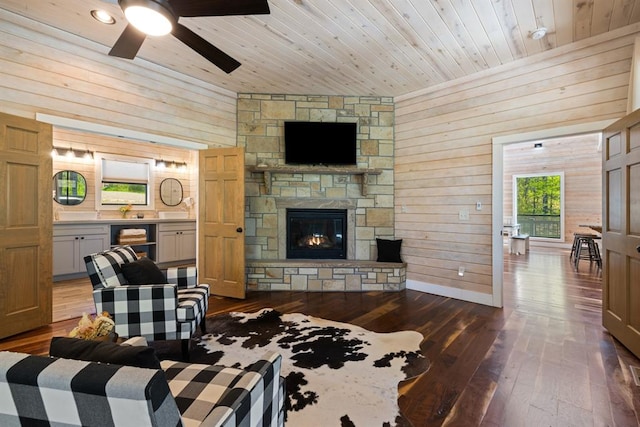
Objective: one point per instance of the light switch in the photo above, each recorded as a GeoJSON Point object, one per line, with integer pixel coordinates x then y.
{"type": "Point", "coordinates": [478, 206]}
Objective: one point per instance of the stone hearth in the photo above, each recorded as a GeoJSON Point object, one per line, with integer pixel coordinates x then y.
{"type": "Point", "coordinates": [325, 275]}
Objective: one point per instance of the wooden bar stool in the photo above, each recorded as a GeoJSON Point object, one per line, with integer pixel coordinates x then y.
{"type": "Point", "coordinates": [587, 249]}
{"type": "Point", "coordinates": [576, 241]}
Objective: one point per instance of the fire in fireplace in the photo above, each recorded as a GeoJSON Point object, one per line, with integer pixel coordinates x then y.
{"type": "Point", "coordinates": [317, 233]}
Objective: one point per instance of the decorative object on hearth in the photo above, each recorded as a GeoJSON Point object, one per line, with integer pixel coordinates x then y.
{"type": "Point", "coordinates": [160, 17]}
{"type": "Point", "coordinates": [98, 327]}
{"type": "Point", "coordinates": [336, 373]}
{"type": "Point", "coordinates": [389, 250]}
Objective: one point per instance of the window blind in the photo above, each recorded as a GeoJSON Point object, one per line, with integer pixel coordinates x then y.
{"type": "Point", "coordinates": [123, 171]}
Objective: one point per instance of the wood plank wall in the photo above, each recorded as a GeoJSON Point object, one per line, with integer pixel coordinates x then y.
{"type": "Point", "coordinates": [580, 159]}
{"type": "Point", "coordinates": [43, 70]}
{"type": "Point", "coordinates": [78, 140]}
{"type": "Point", "coordinates": [443, 154]}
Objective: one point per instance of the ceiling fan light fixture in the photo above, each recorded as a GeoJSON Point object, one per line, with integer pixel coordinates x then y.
{"type": "Point", "coordinates": [151, 17]}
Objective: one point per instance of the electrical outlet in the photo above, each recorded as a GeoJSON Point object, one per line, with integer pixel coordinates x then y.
{"type": "Point", "coordinates": [463, 215]}
{"type": "Point", "coordinates": [403, 209]}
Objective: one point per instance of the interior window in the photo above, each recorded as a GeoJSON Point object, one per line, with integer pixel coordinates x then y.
{"type": "Point", "coordinates": [123, 180]}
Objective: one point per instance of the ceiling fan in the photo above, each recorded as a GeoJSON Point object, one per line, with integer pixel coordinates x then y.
{"type": "Point", "coordinates": [160, 17]}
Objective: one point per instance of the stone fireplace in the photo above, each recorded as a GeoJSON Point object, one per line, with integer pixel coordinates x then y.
{"type": "Point", "coordinates": [273, 187]}
{"type": "Point", "coordinates": [316, 234]}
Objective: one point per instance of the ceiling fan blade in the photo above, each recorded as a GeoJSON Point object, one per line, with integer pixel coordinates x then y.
{"type": "Point", "coordinates": [128, 44]}
{"type": "Point", "coordinates": [204, 48]}
{"type": "Point", "coordinates": [191, 8]}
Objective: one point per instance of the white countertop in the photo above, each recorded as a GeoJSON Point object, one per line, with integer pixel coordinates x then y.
{"type": "Point", "coordinates": [122, 221]}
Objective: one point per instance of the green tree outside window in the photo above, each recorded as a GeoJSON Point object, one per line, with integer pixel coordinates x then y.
{"type": "Point", "coordinates": [539, 205]}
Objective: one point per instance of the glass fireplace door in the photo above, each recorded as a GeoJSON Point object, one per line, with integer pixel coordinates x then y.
{"type": "Point", "coordinates": [316, 233]}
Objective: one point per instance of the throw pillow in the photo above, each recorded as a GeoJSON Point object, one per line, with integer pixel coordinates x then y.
{"type": "Point", "coordinates": [104, 352]}
{"type": "Point", "coordinates": [389, 250]}
{"type": "Point", "coordinates": [142, 272]}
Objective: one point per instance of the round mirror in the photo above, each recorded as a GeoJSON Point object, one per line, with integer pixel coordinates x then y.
{"type": "Point", "coordinates": [69, 188]}
{"type": "Point", "coordinates": [171, 192]}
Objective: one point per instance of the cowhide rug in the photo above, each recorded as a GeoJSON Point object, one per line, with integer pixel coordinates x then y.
{"type": "Point", "coordinates": [337, 374]}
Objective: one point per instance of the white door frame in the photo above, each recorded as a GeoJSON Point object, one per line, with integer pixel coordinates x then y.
{"type": "Point", "coordinates": [497, 187]}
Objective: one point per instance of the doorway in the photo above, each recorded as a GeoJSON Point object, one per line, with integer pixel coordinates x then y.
{"type": "Point", "coordinates": [502, 188]}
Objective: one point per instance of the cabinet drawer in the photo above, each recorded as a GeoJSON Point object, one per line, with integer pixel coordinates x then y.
{"type": "Point", "coordinates": [176, 226]}
{"type": "Point", "coordinates": [76, 230]}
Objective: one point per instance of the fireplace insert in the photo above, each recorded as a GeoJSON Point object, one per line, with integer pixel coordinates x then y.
{"type": "Point", "coordinates": [316, 233]}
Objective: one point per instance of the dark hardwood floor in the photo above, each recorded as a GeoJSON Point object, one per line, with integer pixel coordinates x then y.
{"type": "Point", "coordinates": [542, 360]}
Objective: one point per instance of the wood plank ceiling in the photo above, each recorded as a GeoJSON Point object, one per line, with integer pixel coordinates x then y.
{"type": "Point", "coordinates": [357, 47]}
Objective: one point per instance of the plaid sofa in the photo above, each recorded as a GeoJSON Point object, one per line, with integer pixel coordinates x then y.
{"type": "Point", "coordinates": [41, 390]}
{"type": "Point", "coordinates": [164, 311]}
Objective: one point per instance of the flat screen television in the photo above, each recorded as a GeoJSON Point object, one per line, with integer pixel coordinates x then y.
{"type": "Point", "coordinates": [320, 143]}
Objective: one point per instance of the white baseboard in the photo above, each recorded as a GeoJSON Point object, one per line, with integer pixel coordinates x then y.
{"type": "Point", "coordinates": [445, 291]}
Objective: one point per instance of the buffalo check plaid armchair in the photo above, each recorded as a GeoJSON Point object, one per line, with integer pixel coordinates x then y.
{"type": "Point", "coordinates": [163, 311]}
{"type": "Point", "coordinates": [50, 391]}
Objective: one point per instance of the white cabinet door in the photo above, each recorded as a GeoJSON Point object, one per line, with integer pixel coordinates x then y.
{"type": "Point", "coordinates": [167, 246]}
{"type": "Point", "coordinates": [90, 244]}
{"type": "Point", "coordinates": [187, 244]}
{"type": "Point", "coordinates": [65, 259]}
{"type": "Point", "coordinates": [71, 243]}
{"type": "Point", "coordinates": [176, 242]}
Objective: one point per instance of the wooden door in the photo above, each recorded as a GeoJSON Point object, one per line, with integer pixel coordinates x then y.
{"type": "Point", "coordinates": [621, 231]}
{"type": "Point", "coordinates": [221, 221]}
{"type": "Point", "coordinates": [26, 222]}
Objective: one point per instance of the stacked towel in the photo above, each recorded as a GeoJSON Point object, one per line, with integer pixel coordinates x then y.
{"type": "Point", "coordinates": [129, 236]}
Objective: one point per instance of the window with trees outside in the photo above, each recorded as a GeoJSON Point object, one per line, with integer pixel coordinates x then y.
{"type": "Point", "coordinates": [539, 204]}
{"type": "Point", "coordinates": [123, 181]}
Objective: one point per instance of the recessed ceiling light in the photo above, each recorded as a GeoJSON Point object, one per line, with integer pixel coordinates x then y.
{"type": "Point", "coordinates": [103, 16]}
{"type": "Point", "coordinates": [539, 33]}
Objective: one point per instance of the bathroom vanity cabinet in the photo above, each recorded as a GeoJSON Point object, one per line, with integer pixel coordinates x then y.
{"type": "Point", "coordinates": [167, 241]}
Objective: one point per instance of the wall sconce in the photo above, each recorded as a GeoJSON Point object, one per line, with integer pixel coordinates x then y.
{"type": "Point", "coordinates": [71, 153]}
{"type": "Point", "coordinates": [170, 164]}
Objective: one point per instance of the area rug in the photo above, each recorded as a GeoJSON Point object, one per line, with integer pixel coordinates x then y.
{"type": "Point", "coordinates": [337, 374]}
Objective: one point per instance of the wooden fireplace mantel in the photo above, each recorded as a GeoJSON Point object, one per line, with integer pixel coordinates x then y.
{"type": "Point", "coordinates": [268, 171]}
